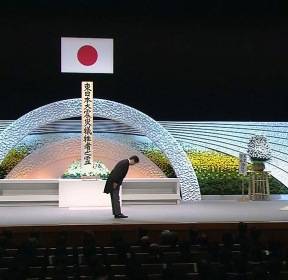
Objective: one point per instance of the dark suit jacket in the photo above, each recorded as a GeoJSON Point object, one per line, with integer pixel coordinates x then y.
{"type": "Point", "coordinates": [117, 175]}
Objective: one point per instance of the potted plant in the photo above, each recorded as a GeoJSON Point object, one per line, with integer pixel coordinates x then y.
{"type": "Point", "coordinates": [259, 152]}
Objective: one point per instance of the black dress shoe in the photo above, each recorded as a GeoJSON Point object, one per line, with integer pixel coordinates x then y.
{"type": "Point", "coordinates": [120, 216]}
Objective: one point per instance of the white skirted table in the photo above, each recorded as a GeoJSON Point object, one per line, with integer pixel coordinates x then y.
{"type": "Point", "coordinates": [83, 193]}
{"type": "Point", "coordinates": [87, 192]}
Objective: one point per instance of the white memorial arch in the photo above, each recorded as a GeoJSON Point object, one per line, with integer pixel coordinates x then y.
{"type": "Point", "coordinates": [107, 109]}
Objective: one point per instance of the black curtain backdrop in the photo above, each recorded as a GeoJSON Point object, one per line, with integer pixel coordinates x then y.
{"type": "Point", "coordinates": [215, 60]}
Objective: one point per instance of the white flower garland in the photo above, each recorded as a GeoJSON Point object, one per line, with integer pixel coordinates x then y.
{"type": "Point", "coordinates": [75, 170]}
{"type": "Point", "coordinates": [258, 148]}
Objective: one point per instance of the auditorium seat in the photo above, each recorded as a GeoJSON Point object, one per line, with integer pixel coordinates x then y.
{"type": "Point", "coordinates": [41, 251]}
{"type": "Point", "coordinates": [236, 247]}
{"type": "Point", "coordinates": [50, 271]}
{"type": "Point", "coordinates": [142, 258]}
{"type": "Point", "coordinates": [51, 250]}
{"type": "Point", "coordinates": [120, 277]}
{"type": "Point", "coordinates": [84, 270]}
{"type": "Point", "coordinates": [195, 247]}
{"type": "Point", "coordinates": [153, 262]}
{"type": "Point", "coordinates": [184, 267]}
{"type": "Point", "coordinates": [113, 259]}
{"type": "Point", "coordinates": [283, 275]}
{"type": "Point", "coordinates": [3, 271]}
{"type": "Point", "coordinates": [236, 254]}
{"type": "Point", "coordinates": [196, 256]}
{"type": "Point", "coordinates": [67, 259]}
{"type": "Point", "coordinates": [154, 276]}
{"type": "Point", "coordinates": [10, 252]}
{"type": "Point", "coordinates": [38, 261]}
{"type": "Point", "coordinates": [137, 249]}
{"type": "Point", "coordinates": [192, 276]}
{"type": "Point", "coordinates": [81, 250]}
{"type": "Point", "coordinates": [81, 259]}
{"type": "Point", "coordinates": [71, 270]}
{"type": "Point", "coordinates": [35, 271]}
{"type": "Point", "coordinates": [152, 268]}
{"type": "Point", "coordinates": [168, 248]}
{"type": "Point", "coordinates": [69, 250]}
{"type": "Point", "coordinates": [172, 257]}
{"type": "Point", "coordinates": [118, 269]}
{"type": "Point", "coordinates": [232, 275]}
{"type": "Point", "coordinates": [6, 261]}
{"type": "Point", "coordinates": [109, 250]}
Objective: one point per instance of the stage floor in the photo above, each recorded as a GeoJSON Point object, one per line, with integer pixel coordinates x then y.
{"type": "Point", "coordinates": [205, 211]}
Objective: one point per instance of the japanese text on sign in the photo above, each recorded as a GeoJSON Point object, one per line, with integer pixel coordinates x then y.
{"type": "Point", "coordinates": [87, 126]}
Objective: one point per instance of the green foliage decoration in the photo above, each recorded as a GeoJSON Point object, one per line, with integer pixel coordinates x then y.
{"type": "Point", "coordinates": [217, 173]}
{"type": "Point", "coordinates": [14, 156]}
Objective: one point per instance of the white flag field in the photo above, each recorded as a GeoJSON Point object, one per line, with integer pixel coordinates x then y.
{"type": "Point", "coordinates": [86, 55]}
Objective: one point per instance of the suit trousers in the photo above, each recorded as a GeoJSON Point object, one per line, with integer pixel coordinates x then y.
{"type": "Point", "coordinates": [115, 201]}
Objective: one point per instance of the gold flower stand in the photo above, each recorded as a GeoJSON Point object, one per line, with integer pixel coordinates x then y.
{"type": "Point", "coordinates": [258, 188]}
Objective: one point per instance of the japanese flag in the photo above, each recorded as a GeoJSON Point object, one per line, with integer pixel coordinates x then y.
{"type": "Point", "coordinates": [86, 55]}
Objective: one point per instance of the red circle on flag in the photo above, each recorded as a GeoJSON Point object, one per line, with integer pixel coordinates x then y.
{"type": "Point", "coordinates": [87, 55]}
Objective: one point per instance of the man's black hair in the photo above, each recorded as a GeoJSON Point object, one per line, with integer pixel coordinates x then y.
{"type": "Point", "coordinates": [135, 158]}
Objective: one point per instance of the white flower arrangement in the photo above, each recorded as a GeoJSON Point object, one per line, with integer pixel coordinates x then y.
{"type": "Point", "coordinates": [75, 171]}
{"type": "Point", "coordinates": [258, 148]}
